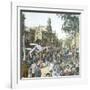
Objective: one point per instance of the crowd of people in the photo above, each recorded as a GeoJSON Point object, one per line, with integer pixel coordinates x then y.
{"type": "Point", "coordinates": [52, 62]}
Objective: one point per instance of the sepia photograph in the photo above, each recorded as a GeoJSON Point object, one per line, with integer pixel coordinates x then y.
{"type": "Point", "coordinates": [49, 44]}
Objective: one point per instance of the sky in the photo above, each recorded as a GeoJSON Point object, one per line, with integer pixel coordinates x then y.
{"type": "Point", "coordinates": [35, 19]}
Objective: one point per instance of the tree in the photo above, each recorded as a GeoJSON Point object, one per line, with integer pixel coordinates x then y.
{"type": "Point", "coordinates": [49, 27]}
{"type": "Point", "coordinates": [22, 20]}
{"type": "Point", "coordinates": [71, 23]}
{"type": "Point", "coordinates": [70, 26]}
